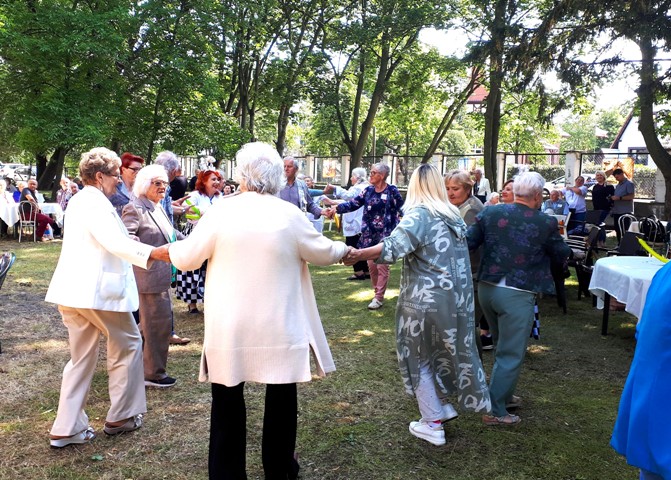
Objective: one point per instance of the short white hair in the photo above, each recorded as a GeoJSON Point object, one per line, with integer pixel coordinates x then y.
{"type": "Point", "coordinates": [383, 168]}
{"type": "Point", "coordinates": [146, 175]}
{"type": "Point", "coordinates": [259, 168]}
{"type": "Point", "coordinates": [168, 160]}
{"type": "Point", "coordinates": [528, 184]}
{"type": "Point", "coordinates": [359, 173]}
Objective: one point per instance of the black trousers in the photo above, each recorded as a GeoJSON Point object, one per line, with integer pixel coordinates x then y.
{"type": "Point", "coordinates": [228, 433]}
{"type": "Point", "coordinates": [353, 241]}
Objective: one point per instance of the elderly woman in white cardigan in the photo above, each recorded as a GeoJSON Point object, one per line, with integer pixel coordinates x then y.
{"type": "Point", "coordinates": [259, 271]}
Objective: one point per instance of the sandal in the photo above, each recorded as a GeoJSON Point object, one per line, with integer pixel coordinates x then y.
{"type": "Point", "coordinates": [506, 420]}
{"type": "Point", "coordinates": [84, 436]}
{"type": "Point", "coordinates": [133, 423]}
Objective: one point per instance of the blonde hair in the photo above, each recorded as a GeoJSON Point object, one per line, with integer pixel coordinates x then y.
{"type": "Point", "coordinates": [427, 188]}
{"type": "Point", "coordinates": [462, 178]}
{"type": "Point", "coordinates": [99, 159]}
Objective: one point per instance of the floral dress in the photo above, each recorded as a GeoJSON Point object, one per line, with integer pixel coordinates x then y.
{"type": "Point", "coordinates": [381, 211]}
{"type": "Point", "coordinates": [434, 314]}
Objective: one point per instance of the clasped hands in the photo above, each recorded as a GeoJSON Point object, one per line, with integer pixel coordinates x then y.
{"type": "Point", "coordinates": [329, 212]}
{"type": "Point", "coordinates": [351, 257]}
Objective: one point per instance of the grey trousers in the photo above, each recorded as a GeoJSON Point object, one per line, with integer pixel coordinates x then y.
{"type": "Point", "coordinates": [510, 314]}
{"type": "Point", "coordinates": [156, 327]}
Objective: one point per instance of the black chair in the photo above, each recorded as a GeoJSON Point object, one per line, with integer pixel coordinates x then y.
{"type": "Point", "coordinates": [583, 258]}
{"type": "Point", "coordinates": [581, 228]}
{"type": "Point", "coordinates": [629, 246]}
{"type": "Point", "coordinates": [559, 274]}
{"type": "Point", "coordinates": [6, 262]}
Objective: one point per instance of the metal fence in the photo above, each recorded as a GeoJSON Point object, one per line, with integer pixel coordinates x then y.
{"type": "Point", "coordinates": [335, 170]}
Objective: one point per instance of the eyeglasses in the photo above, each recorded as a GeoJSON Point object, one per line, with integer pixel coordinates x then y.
{"type": "Point", "coordinates": [373, 172]}
{"type": "Point", "coordinates": [135, 169]}
{"type": "Point", "coordinates": [159, 183]}
{"type": "Point", "coordinates": [117, 176]}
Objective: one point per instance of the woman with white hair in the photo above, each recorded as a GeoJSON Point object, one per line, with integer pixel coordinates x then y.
{"type": "Point", "coordinates": [519, 243]}
{"type": "Point", "coordinates": [147, 222]}
{"type": "Point", "coordinates": [270, 325]}
{"type": "Point", "coordinates": [382, 204]}
{"type": "Point", "coordinates": [351, 221]}
{"type": "Point", "coordinates": [435, 327]}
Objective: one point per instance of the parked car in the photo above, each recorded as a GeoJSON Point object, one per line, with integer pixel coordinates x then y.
{"type": "Point", "coordinates": [559, 183]}
{"type": "Point", "coordinates": [25, 173]}
{"type": "Point", "coordinates": [7, 169]}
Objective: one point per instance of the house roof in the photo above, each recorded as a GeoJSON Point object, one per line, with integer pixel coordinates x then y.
{"type": "Point", "coordinates": [625, 124]}
{"type": "Point", "coordinates": [478, 96]}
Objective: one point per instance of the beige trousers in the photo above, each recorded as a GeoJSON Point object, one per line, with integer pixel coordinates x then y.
{"type": "Point", "coordinates": [124, 367]}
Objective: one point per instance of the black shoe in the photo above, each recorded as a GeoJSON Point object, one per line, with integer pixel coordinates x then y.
{"type": "Point", "coordinates": [357, 277]}
{"type": "Point", "coordinates": [487, 342]}
{"type": "Point", "coordinates": [162, 383]}
{"type": "Point", "coordinates": [194, 311]}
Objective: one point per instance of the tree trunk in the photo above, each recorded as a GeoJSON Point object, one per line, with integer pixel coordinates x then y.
{"type": "Point", "coordinates": [49, 179]}
{"type": "Point", "coordinates": [646, 124]}
{"type": "Point", "coordinates": [493, 102]}
{"type": "Point", "coordinates": [282, 123]}
{"type": "Point", "coordinates": [451, 113]}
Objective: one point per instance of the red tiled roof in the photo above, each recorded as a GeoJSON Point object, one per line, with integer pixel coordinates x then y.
{"type": "Point", "coordinates": [478, 96]}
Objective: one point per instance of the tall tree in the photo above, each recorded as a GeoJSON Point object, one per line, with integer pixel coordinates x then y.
{"type": "Point", "coordinates": [292, 71]}
{"type": "Point", "coordinates": [58, 76]}
{"type": "Point", "coordinates": [365, 49]}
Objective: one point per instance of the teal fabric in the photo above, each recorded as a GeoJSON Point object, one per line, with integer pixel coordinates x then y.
{"type": "Point", "coordinates": [642, 429]}
{"type": "Point", "coordinates": [510, 314]}
{"type": "Point", "coordinates": [434, 314]}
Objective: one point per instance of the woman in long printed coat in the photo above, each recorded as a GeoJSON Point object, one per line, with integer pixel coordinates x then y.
{"type": "Point", "coordinates": [435, 327]}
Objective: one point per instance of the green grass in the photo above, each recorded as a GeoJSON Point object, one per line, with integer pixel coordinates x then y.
{"type": "Point", "coordinates": [352, 424]}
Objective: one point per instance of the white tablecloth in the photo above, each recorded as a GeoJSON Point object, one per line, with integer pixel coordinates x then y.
{"type": "Point", "coordinates": [53, 209]}
{"type": "Point", "coordinates": [625, 278]}
{"type": "Point", "coordinates": [9, 212]}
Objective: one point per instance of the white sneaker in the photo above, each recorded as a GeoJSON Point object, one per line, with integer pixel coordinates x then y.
{"type": "Point", "coordinates": [426, 432]}
{"type": "Point", "coordinates": [375, 304]}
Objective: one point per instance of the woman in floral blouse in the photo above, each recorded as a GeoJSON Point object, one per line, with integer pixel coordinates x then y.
{"type": "Point", "coordinates": [519, 242]}
{"type": "Point", "coordinates": [382, 209]}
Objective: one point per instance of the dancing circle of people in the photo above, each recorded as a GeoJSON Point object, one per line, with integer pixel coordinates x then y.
{"type": "Point", "coordinates": [463, 270]}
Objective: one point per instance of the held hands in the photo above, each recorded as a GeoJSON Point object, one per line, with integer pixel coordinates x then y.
{"type": "Point", "coordinates": [353, 256]}
{"type": "Point", "coordinates": [329, 212]}
{"type": "Point", "coordinates": [161, 253]}
{"type": "Point", "coordinates": [329, 189]}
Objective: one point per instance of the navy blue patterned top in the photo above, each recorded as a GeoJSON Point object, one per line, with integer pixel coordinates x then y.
{"type": "Point", "coordinates": [519, 244]}
{"type": "Point", "coordinates": [381, 213]}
